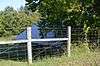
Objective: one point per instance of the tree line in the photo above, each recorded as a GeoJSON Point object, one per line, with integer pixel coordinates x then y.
{"type": "Point", "coordinates": [12, 22]}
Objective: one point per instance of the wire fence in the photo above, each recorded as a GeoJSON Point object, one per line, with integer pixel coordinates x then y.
{"type": "Point", "coordinates": [93, 36]}
{"type": "Point", "coordinates": [79, 35]}
{"type": "Point", "coordinates": [13, 52]}
{"type": "Point", "coordinates": [18, 51]}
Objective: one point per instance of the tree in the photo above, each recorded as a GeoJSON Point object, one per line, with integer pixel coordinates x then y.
{"type": "Point", "coordinates": [97, 6]}
{"type": "Point", "coordinates": [33, 4]}
{"type": "Point", "coordinates": [72, 12]}
{"type": "Point", "coordinates": [61, 13]}
{"type": "Point", "coordinates": [13, 22]}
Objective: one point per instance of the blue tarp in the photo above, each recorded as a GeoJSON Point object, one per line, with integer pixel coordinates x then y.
{"type": "Point", "coordinates": [35, 34]}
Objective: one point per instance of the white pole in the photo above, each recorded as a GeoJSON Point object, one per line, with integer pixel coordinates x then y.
{"type": "Point", "coordinates": [69, 41]}
{"type": "Point", "coordinates": [29, 46]}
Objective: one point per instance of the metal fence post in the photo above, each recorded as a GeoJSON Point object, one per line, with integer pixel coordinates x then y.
{"type": "Point", "coordinates": [29, 46]}
{"type": "Point", "coordinates": [69, 41]}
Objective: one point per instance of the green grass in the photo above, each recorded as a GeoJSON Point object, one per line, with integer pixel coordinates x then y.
{"type": "Point", "coordinates": [76, 60]}
{"type": "Point", "coordinates": [80, 56]}
{"type": "Point", "coordinates": [7, 38]}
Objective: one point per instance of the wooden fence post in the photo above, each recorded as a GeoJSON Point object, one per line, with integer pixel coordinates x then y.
{"type": "Point", "coordinates": [69, 41]}
{"type": "Point", "coordinates": [29, 46]}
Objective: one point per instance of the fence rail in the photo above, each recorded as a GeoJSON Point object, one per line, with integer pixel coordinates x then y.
{"type": "Point", "coordinates": [33, 40]}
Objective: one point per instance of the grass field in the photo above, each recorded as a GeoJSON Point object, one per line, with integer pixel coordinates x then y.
{"type": "Point", "coordinates": [80, 56]}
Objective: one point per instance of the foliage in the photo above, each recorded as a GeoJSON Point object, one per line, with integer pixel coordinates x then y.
{"type": "Point", "coordinates": [97, 6]}
{"type": "Point", "coordinates": [70, 12]}
{"type": "Point", "coordinates": [61, 13]}
{"type": "Point", "coordinates": [12, 21]}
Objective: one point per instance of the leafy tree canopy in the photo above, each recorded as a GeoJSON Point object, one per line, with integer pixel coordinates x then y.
{"type": "Point", "coordinates": [12, 21]}
{"type": "Point", "coordinates": [64, 12]}
{"type": "Point", "coordinates": [61, 13]}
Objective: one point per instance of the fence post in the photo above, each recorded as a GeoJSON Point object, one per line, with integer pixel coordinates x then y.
{"type": "Point", "coordinates": [69, 41]}
{"type": "Point", "coordinates": [29, 46]}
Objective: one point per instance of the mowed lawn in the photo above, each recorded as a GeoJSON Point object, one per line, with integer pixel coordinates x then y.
{"type": "Point", "coordinates": [78, 58]}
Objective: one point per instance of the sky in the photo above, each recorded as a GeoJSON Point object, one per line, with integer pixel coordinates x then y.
{"type": "Point", "coordinates": [13, 3]}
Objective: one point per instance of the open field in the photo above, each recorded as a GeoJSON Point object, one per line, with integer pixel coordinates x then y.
{"type": "Point", "coordinates": [79, 57]}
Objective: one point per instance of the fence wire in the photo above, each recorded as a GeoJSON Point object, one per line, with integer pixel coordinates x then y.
{"type": "Point", "coordinates": [44, 49]}
{"type": "Point", "coordinates": [39, 49]}
{"type": "Point", "coordinates": [93, 36]}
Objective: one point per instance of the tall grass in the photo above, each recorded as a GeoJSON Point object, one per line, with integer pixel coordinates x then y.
{"type": "Point", "coordinates": [80, 56]}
